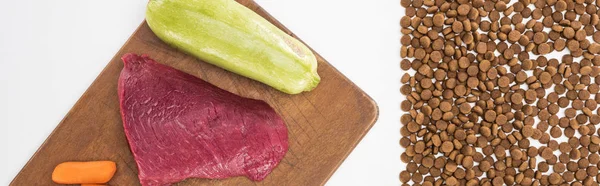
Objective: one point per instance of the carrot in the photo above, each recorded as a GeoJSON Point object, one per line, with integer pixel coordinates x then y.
{"type": "Point", "coordinates": [86, 184]}
{"type": "Point", "coordinates": [84, 172]}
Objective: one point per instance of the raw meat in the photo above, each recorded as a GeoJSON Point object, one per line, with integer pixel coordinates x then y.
{"type": "Point", "coordinates": [179, 126]}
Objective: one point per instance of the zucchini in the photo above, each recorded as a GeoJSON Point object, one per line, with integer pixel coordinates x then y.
{"type": "Point", "coordinates": [233, 37]}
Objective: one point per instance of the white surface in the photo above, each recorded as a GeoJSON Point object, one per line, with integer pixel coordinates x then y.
{"type": "Point", "coordinates": [51, 51]}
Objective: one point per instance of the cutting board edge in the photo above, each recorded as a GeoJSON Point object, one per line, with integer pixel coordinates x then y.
{"type": "Point", "coordinates": [368, 98]}
{"type": "Point", "coordinates": [371, 124]}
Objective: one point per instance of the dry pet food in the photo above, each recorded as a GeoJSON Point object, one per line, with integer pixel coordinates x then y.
{"type": "Point", "coordinates": [500, 92]}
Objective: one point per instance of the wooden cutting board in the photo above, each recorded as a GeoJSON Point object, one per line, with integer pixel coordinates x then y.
{"type": "Point", "coordinates": [324, 124]}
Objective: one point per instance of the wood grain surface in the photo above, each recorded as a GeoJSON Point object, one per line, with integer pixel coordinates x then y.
{"type": "Point", "coordinates": [324, 124]}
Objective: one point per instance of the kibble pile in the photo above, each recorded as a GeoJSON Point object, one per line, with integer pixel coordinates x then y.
{"type": "Point", "coordinates": [503, 92]}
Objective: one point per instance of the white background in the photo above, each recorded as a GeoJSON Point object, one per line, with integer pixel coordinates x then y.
{"type": "Point", "coordinates": [51, 51]}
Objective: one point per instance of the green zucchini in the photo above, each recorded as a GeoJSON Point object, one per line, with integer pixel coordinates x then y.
{"type": "Point", "coordinates": [231, 36]}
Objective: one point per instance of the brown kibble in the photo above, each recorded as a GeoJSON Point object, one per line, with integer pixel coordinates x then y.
{"type": "Point", "coordinates": [580, 174]}
{"type": "Point", "coordinates": [555, 178]}
{"type": "Point", "coordinates": [484, 65]}
{"type": "Point", "coordinates": [481, 48]}
{"type": "Point", "coordinates": [451, 167]}
{"type": "Point", "coordinates": [516, 98]}
{"type": "Point", "coordinates": [555, 132]}
{"type": "Point", "coordinates": [420, 53]}
{"type": "Point", "coordinates": [490, 116]}
{"type": "Point", "coordinates": [586, 70]}
{"type": "Point", "coordinates": [425, 41]}
{"type": "Point", "coordinates": [498, 181]}
{"type": "Point", "coordinates": [405, 65]}
{"type": "Point", "coordinates": [463, 9]}
{"type": "Point", "coordinates": [427, 162]}
{"type": "Point", "coordinates": [457, 27]}
{"type": "Point", "coordinates": [405, 89]}
{"type": "Point", "coordinates": [484, 166]}
{"type": "Point", "coordinates": [545, 77]}
{"type": "Point", "coordinates": [422, 29]}
{"type": "Point", "coordinates": [501, 119]}
{"type": "Point", "coordinates": [467, 162]}
{"type": "Point", "coordinates": [539, 37]}
{"type": "Point", "coordinates": [508, 54]}
{"type": "Point", "coordinates": [463, 62]}
{"type": "Point", "coordinates": [547, 153]}
{"type": "Point", "coordinates": [405, 3]}
{"type": "Point", "coordinates": [405, 22]}
{"type": "Point", "coordinates": [405, 105]}
{"type": "Point", "coordinates": [503, 81]}
{"type": "Point", "coordinates": [451, 181]}
{"type": "Point", "coordinates": [437, 44]}
{"type": "Point", "coordinates": [425, 70]}
{"type": "Point", "coordinates": [500, 6]}
{"type": "Point", "coordinates": [445, 106]}
{"type": "Point", "coordinates": [527, 131]}
{"type": "Point", "coordinates": [438, 20]}
{"type": "Point", "coordinates": [560, 5]}
{"type": "Point", "coordinates": [543, 48]}
{"type": "Point", "coordinates": [472, 82]}
{"type": "Point", "coordinates": [592, 171]}
{"type": "Point", "coordinates": [485, 131]}
{"type": "Point", "coordinates": [560, 44]}
{"type": "Point", "coordinates": [568, 32]}
{"type": "Point", "coordinates": [435, 56]}
{"type": "Point", "coordinates": [413, 126]}
{"type": "Point", "coordinates": [573, 45]}
{"type": "Point", "coordinates": [580, 35]}
{"type": "Point", "coordinates": [514, 35]}
{"type": "Point", "coordinates": [594, 48]}
{"type": "Point", "coordinates": [447, 146]}
{"type": "Point", "coordinates": [516, 154]}
{"type": "Point", "coordinates": [405, 119]}
{"type": "Point", "coordinates": [405, 176]}
{"type": "Point", "coordinates": [460, 90]}
{"type": "Point", "coordinates": [465, 108]}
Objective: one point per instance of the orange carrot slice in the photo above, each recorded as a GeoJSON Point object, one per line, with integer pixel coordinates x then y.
{"type": "Point", "coordinates": [84, 172]}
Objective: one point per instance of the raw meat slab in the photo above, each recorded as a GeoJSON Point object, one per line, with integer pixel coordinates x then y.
{"type": "Point", "coordinates": [324, 124]}
{"type": "Point", "coordinates": [179, 126]}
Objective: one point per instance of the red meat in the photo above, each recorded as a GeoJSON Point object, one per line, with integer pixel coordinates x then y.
{"type": "Point", "coordinates": [179, 126]}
